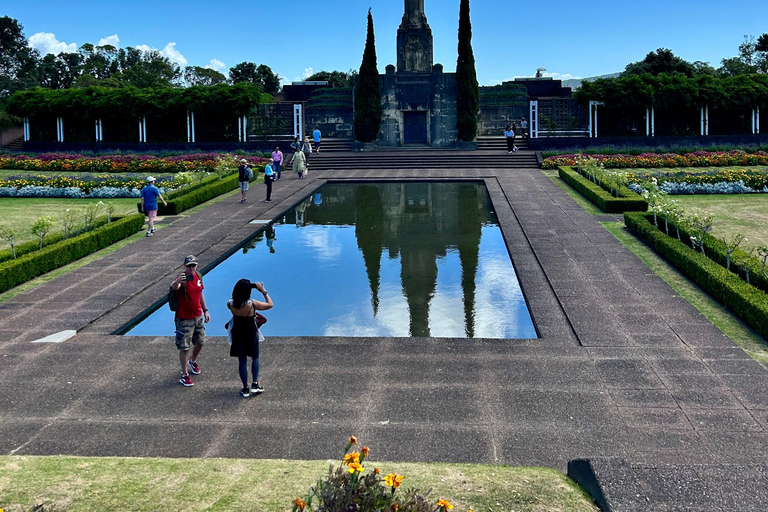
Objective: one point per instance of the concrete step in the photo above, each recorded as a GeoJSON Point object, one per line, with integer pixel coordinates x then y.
{"type": "Point", "coordinates": [15, 146]}
{"type": "Point", "coordinates": [400, 161]}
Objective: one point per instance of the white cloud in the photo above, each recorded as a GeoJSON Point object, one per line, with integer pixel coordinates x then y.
{"type": "Point", "coordinates": [169, 52]}
{"type": "Point", "coordinates": [216, 64]}
{"type": "Point", "coordinates": [112, 40]}
{"type": "Point", "coordinates": [308, 72]}
{"type": "Point", "coordinates": [46, 42]}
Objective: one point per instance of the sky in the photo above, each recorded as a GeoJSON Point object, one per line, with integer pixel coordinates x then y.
{"type": "Point", "coordinates": [510, 39]}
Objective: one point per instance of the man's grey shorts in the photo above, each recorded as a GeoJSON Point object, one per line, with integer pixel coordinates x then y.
{"type": "Point", "coordinates": [190, 332]}
{"type": "Point", "coordinates": [244, 185]}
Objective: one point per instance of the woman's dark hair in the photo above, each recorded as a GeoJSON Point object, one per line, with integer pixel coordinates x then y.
{"type": "Point", "coordinates": [508, 127]}
{"type": "Point", "coordinates": [241, 293]}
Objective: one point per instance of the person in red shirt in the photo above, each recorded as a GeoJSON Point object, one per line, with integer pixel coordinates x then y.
{"type": "Point", "coordinates": [190, 320]}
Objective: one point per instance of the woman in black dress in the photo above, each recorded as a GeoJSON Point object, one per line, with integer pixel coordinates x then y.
{"type": "Point", "coordinates": [245, 335]}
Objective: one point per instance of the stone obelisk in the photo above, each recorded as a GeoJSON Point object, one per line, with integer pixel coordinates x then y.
{"type": "Point", "coordinates": [414, 40]}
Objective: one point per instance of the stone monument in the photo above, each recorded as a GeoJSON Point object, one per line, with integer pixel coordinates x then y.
{"type": "Point", "coordinates": [418, 100]}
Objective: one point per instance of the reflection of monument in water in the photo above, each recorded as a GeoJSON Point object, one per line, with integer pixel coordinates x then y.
{"type": "Point", "coordinates": [419, 222]}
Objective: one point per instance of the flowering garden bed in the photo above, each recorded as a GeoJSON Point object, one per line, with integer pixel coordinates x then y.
{"type": "Point", "coordinates": [671, 160]}
{"type": "Point", "coordinates": [625, 200]}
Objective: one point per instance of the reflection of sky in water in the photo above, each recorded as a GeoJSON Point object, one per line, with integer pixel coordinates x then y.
{"type": "Point", "coordinates": [317, 278]}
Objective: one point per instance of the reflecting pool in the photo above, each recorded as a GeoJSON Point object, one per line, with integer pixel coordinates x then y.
{"type": "Point", "coordinates": [376, 259]}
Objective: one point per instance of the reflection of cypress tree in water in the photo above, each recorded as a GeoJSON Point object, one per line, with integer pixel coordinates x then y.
{"type": "Point", "coordinates": [369, 231]}
{"type": "Point", "coordinates": [469, 249]}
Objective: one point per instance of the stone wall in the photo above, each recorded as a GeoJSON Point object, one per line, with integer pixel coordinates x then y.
{"type": "Point", "coordinates": [492, 120]}
{"type": "Point", "coordinates": [335, 123]}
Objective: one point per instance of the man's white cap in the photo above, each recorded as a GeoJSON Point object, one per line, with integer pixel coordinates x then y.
{"type": "Point", "coordinates": [150, 179]}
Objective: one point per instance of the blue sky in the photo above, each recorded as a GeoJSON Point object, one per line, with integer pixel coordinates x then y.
{"type": "Point", "coordinates": [569, 39]}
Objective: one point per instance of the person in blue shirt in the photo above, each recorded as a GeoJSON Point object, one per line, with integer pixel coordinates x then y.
{"type": "Point", "coordinates": [149, 195]}
{"type": "Point", "coordinates": [269, 177]}
{"type": "Point", "coordinates": [317, 136]}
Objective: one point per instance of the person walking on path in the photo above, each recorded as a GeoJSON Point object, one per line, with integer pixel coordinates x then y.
{"type": "Point", "coordinates": [245, 174]}
{"type": "Point", "coordinates": [318, 137]}
{"type": "Point", "coordinates": [269, 177]}
{"type": "Point", "coordinates": [191, 317]}
{"type": "Point", "coordinates": [306, 148]}
{"type": "Point", "coordinates": [523, 128]}
{"type": "Point", "coordinates": [299, 163]}
{"type": "Point", "coordinates": [509, 135]}
{"type": "Point", "coordinates": [149, 195]}
{"type": "Point", "coordinates": [277, 157]}
{"type": "Point", "coordinates": [296, 144]}
{"type": "Point", "coordinates": [244, 332]}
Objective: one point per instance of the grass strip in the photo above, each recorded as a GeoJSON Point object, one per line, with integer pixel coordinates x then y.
{"type": "Point", "coordinates": [80, 484]}
{"type": "Point", "coordinates": [723, 319]}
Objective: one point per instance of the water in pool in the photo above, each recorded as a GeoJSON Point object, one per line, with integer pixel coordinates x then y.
{"type": "Point", "coordinates": [380, 259]}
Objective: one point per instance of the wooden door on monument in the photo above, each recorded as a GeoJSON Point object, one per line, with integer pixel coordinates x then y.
{"type": "Point", "coordinates": [415, 127]}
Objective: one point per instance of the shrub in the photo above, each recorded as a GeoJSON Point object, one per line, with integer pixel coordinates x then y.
{"type": "Point", "coordinates": [666, 160]}
{"type": "Point", "coordinates": [628, 200]}
{"type": "Point", "coordinates": [744, 300]}
{"type": "Point", "coordinates": [51, 257]}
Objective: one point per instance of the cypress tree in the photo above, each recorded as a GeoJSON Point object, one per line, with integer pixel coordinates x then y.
{"type": "Point", "coordinates": [467, 88]}
{"type": "Point", "coordinates": [368, 92]}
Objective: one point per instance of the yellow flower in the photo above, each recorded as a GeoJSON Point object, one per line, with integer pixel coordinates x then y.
{"type": "Point", "coordinates": [352, 440]}
{"type": "Point", "coordinates": [351, 458]}
{"type": "Point", "coordinates": [395, 507]}
{"type": "Point", "coordinates": [355, 466]}
{"type": "Point", "coordinates": [299, 503]}
{"type": "Point", "coordinates": [393, 480]}
{"type": "Point", "coordinates": [444, 504]}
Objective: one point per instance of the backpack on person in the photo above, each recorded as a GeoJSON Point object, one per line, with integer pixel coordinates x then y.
{"type": "Point", "coordinates": [249, 173]}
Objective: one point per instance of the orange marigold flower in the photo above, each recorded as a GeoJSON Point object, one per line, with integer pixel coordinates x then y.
{"type": "Point", "coordinates": [376, 471]}
{"type": "Point", "coordinates": [351, 458]}
{"type": "Point", "coordinates": [365, 450]}
{"type": "Point", "coordinates": [393, 480]}
{"type": "Point", "coordinates": [445, 504]}
{"type": "Point", "coordinates": [353, 439]}
{"type": "Point", "coordinates": [395, 507]}
{"type": "Point", "coordinates": [299, 503]}
{"type": "Point", "coordinates": [355, 466]}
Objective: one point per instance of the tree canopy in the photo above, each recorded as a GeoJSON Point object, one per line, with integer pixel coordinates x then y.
{"type": "Point", "coordinates": [334, 78]}
{"type": "Point", "coordinates": [261, 75]}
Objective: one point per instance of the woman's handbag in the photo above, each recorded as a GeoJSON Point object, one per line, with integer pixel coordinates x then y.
{"type": "Point", "coordinates": [259, 319]}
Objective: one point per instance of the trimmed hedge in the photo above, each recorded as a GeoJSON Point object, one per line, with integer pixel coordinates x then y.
{"type": "Point", "coordinates": [628, 202]}
{"type": "Point", "coordinates": [744, 300]}
{"type": "Point", "coordinates": [195, 194]}
{"type": "Point", "coordinates": [29, 266]}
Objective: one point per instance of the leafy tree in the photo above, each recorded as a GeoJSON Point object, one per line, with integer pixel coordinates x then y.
{"type": "Point", "coordinates": [7, 233]}
{"type": "Point", "coordinates": [59, 71]}
{"type": "Point", "coordinates": [762, 43]}
{"type": "Point", "coordinates": [18, 61]}
{"type": "Point", "coordinates": [467, 88]}
{"type": "Point", "coordinates": [751, 58]}
{"type": "Point", "coordinates": [196, 75]}
{"type": "Point", "coordinates": [368, 91]}
{"type": "Point", "coordinates": [658, 62]}
{"type": "Point", "coordinates": [41, 227]}
{"type": "Point", "coordinates": [99, 61]}
{"type": "Point", "coordinates": [334, 78]}
{"type": "Point", "coordinates": [259, 75]}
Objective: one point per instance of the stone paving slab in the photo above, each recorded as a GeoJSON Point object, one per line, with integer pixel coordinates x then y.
{"type": "Point", "coordinates": [623, 368]}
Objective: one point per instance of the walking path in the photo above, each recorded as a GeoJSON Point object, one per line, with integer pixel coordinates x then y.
{"type": "Point", "coordinates": [625, 372]}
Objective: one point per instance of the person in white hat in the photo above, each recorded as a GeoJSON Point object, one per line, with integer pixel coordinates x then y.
{"type": "Point", "coordinates": [245, 174]}
{"type": "Point", "coordinates": [149, 195]}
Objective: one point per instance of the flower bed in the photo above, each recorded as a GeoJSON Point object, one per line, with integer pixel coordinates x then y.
{"type": "Point", "coordinates": [721, 182]}
{"type": "Point", "coordinates": [744, 300]}
{"type": "Point", "coordinates": [671, 160]}
{"type": "Point", "coordinates": [72, 162]}
{"type": "Point", "coordinates": [627, 200]}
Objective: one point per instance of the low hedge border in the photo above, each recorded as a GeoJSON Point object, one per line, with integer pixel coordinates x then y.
{"type": "Point", "coordinates": [744, 300]}
{"type": "Point", "coordinates": [628, 202]}
{"type": "Point", "coordinates": [195, 195]}
{"type": "Point", "coordinates": [29, 266]}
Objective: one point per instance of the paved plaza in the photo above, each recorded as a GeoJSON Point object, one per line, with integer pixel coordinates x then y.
{"type": "Point", "coordinates": [625, 372]}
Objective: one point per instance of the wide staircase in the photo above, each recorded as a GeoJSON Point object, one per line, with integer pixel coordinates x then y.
{"type": "Point", "coordinates": [421, 158]}
{"type": "Point", "coordinates": [15, 146]}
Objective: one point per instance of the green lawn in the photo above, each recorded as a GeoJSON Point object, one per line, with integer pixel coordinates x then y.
{"type": "Point", "coordinates": [746, 214]}
{"type": "Point", "coordinates": [20, 212]}
{"type": "Point", "coordinates": [79, 484]}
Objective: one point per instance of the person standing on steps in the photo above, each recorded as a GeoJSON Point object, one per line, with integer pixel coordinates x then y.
{"type": "Point", "coordinates": [318, 137]}
{"type": "Point", "coordinates": [191, 317]}
{"type": "Point", "coordinates": [509, 135]}
{"type": "Point", "coordinates": [277, 157]}
{"type": "Point", "coordinates": [149, 195]}
{"type": "Point", "coordinates": [269, 177]}
{"type": "Point", "coordinates": [245, 334]}
{"type": "Point", "coordinates": [523, 128]}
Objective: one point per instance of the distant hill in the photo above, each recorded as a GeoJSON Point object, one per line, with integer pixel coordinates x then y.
{"type": "Point", "coordinates": [575, 83]}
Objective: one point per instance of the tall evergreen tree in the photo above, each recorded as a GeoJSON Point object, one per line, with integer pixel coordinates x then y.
{"type": "Point", "coordinates": [467, 88]}
{"type": "Point", "coordinates": [368, 92]}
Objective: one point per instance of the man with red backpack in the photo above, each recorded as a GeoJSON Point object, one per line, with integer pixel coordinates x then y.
{"type": "Point", "coordinates": [191, 317]}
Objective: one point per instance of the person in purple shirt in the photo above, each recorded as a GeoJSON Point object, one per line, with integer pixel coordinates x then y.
{"type": "Point", "coordinates": [277, 157]}
{"type": "Point", "coordinates": [149, 195]}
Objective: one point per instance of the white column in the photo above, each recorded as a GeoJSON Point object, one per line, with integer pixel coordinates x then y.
{"type": "Point", "coordinates": [647, 122]}
{"type": "Point", "coordinates": [26, 129]}
{"type": "Point", "coordinates": [753, 122]}
{"type": "Point", "coordinates": [706, 120]}
{"type": "Point", "coordinates": [653, 121]}
{"type": "Point", "coordinates": [298, 121]}
{"type": "Point", "coordinates": [192, 116]}
{"type": "Point", "coordinates": [245, 128]}
{"type": "Point", "coordinates": [591, 128]}
{"type": "Point", "coordinates": [701, 120]}
{"type": "Point", "coordinates": [757, 120]}
{"type": "Point", "coordinates": [239, 129]}
{"type": "Point", "coordinates": [59, 129]}
{"type": "Point", "coordinates": [533, 116]}
{"type": "Point", "coordinates": [189, 129]}
{"type": "Point", "coordinates": [596, 104]}
{"type": "Point", "coordinates": [144, 123]}
{"type": "Point", "coordinates": [141, 132]}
